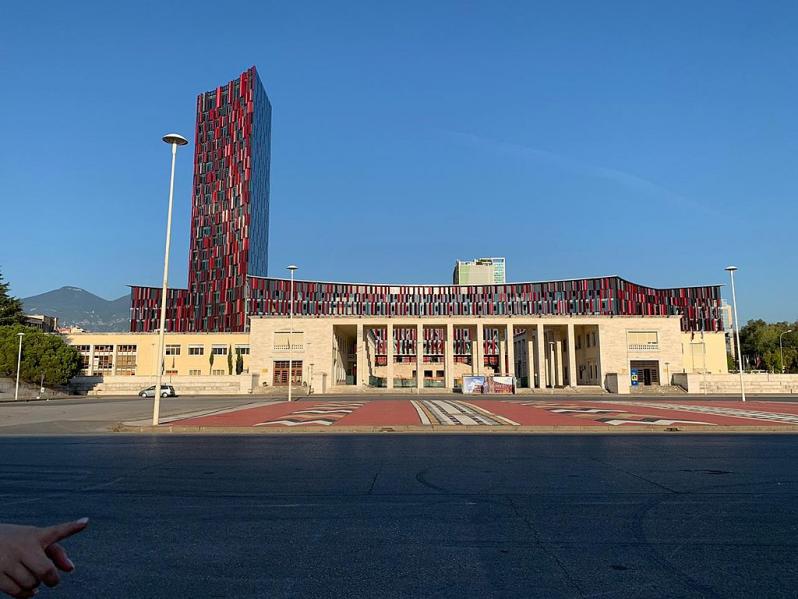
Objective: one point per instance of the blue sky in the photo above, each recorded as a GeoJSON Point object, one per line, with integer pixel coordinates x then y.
{"type": "Point", "coordinates": [658, 141]}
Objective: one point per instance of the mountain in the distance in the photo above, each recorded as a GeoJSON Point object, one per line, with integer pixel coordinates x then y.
{"type": "Point", "coordinates": [77, 307]}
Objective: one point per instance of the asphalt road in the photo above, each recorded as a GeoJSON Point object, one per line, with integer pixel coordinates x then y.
{"type": "Point", "coordinates": [99, 415]}
{"type": "Point", "coordinates": [427, 516]}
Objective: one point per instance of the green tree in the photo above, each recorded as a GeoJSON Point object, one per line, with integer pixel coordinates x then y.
{"type": "Point", "coordinates": [42, 354]}
{"type": "Point", "coordinates": [210, 361]}
{"type": "Point", "coordinates": [230, 359]}
{"type": "Point", "coordinates": [760, 345]}
{"type": "Point", "coordinates": [10, 307]}
{"type": "Point", "coordinates": [239, 362]}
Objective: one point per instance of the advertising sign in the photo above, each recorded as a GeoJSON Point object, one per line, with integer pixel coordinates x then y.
{"type": "Point", "coordinates": [501, 384]}
{"type": "Point", "coordinates": [473, 384]}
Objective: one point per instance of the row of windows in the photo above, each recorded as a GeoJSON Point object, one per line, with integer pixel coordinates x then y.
{"type": "Point", "coordinates": [199, 350]}
{"type": "Point", "coordinates": [106, 349]}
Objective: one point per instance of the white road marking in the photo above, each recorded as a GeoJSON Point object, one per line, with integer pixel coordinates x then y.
{"type": "Point", "coordinates": [422, 416]}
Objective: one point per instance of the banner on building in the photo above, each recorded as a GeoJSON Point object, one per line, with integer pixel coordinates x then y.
{"type": "Point", "coordinates": [488, 384]}
{"type": "Point", "coordinates": [473, 384]}
{"type": "Point", "coordinates": [501, 384]}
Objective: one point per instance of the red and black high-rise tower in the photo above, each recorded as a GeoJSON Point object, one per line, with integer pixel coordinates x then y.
{"type": "Point", "coordinates": [230, 202]}
{"type": "Point", "coordinates": [229, 214]}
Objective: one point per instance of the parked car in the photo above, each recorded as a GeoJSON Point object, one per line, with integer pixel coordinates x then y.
{"type": "Point", "coordinates": [166, 391]}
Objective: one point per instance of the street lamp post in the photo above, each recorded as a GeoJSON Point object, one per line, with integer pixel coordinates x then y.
{"type": "Point", "coordinates": [291, 268]}
{"type": "Point", "coordinates": [19, 363]}
{"type": "Point", "coordinates": [174, 140]}
{"type": "Point", "coordinates": [781, 348]}
{"type": "Point", "coordinates": [731, 270]}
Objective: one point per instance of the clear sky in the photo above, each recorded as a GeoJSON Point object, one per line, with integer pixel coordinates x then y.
{"type": "Point", "coordinates": [658, 141]}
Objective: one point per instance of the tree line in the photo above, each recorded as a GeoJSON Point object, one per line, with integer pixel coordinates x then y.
{"type": "Point", "coordinates": [759, 341]}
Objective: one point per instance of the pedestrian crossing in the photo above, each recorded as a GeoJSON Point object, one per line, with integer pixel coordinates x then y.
{"type": "Point", "coordinates": [457, 413]}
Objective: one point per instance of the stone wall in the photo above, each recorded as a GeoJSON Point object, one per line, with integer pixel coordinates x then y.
{"type": "Point", "coordinates": [730, 383]}
{"type": "Point", "coordinates": [184, 385]}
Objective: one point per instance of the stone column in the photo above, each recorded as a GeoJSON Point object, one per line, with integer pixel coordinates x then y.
{"type": "Point", "coordinates": [389, 351]}
{"type": "Point", "coordinates": [502, 345]}
{"type": "Point", "coordinates": [91, 360]}
{"type": "Point", "coordinates": [558, 362]}
{"type": "Point", "coordinates": [531, 350]}
{"type": "Point", "coordinates": [360, 353]}
{"type": "Point", "coordinates": [572, 377]}
{"type": "Point", "coordinates": [113, 360]}
{"type": "Point", "coordinates": [449, 357]}
{"type": "Point", "coordinates": [509, 329]}
{"type": "Point", "coordinates": [419, 356]}
{"type": "Point", "coordinates": [599, 361]}
{"type": "Point", "coordinates": [540, 342]}
{"type": "Point", "coordinates": [480, 355]}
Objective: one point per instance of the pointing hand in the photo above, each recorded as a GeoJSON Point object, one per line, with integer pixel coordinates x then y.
{"type": "Point", "coordinates": [30, 555]}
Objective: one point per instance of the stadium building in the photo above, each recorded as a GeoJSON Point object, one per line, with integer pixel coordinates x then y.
{"type": "Point", "coordinates": [229, 329]}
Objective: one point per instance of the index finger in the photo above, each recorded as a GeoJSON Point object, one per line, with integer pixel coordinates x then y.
{"type": "Point", "coordinates": [58, 532]}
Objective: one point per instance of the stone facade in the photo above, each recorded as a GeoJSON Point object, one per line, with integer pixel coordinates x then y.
{"type": "Point", "coordinates": [350, 353]}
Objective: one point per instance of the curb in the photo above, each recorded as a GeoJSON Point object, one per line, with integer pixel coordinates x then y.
{"type": "Point", "coordinates": [449, 429]}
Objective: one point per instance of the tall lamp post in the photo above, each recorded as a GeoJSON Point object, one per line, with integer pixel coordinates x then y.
{"type": "Point", "coordinates": [19, 363]}
{"type": "Point", "coordinates": [781, 348]}
{"type": "Point", "coordinates": [731, 270]}
{"type": "Point", "coordinates": [291, 268]}
{"type": "Point", "coordinates": [174, 140]}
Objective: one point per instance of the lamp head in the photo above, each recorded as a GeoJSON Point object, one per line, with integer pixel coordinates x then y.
{"type": "Point", "coordinates": [731, 268]}
{"type": "Point", "coordinates": [174, 138]}
{"type": "Point", "coordinates": [21, 334]}
{"type": "Point", "coordinates": [292, 267]}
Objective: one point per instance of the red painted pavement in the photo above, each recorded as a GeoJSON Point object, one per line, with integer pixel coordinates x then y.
{"type": "Point", "coordinates": [248, 416]}
{"type": "Point", "coordinates": [681, 414]}
{"type": "Point", "coordinates": [529, 415]}
{"type": "Point", "coordinates": [535, 413]}
{"type": "Point", "coordinates": [382, 413]}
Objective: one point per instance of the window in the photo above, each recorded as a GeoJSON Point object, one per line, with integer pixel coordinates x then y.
{"type": "Point", "coordinates": [172, 350]}
{"type": "Point", "coordinates": [284, 340]}
{"type": "Point", "coordinates": [196, 350]}
{"type": "Point", "coordinates": [219, 350]}
{"type": "Point", "coordinates": [126, 363]}
{"type": "Point", "coordinates": [194, 372]}
{"type": "Point", "coordinates": [126, 349]}
{"type": "Point", "coordinates": [642, 340]}
{"type": "Point", "coordinates": [168, 372]}
{"type": "Point", "coordinates": [219, 372]}
{"type": "Point", "coordinates": [242, 349]}
{"type": "Point", "coordinates": [102, 363]}
{"type": "Point", "coordinates": [439, 374]}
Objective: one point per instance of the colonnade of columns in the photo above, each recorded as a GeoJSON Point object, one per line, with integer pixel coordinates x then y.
{"type": "Point", "coordinates": [550, 355]}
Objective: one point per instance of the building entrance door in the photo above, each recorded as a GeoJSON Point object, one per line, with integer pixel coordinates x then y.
{"type": "Point", "coordinates": [281, 373]}
{"type": "Point", "coordinates": [647, 371]}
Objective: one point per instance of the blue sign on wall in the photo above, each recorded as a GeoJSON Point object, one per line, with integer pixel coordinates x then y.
{"type": "Point", "coordinates": [634, 377]}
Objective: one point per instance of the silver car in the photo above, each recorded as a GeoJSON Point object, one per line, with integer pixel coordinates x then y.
{"type": "Point", "coordinates": [166, 391]}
